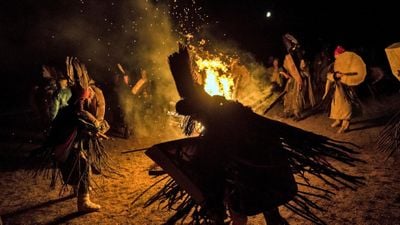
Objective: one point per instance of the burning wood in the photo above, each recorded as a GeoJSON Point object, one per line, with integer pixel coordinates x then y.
{"type": "Point", "coordinates": [217, 81]}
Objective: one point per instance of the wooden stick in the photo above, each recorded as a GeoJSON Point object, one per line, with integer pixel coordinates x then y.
{"type": "Point", "coordinates": [274, 102]}
{"type": "Point", "coordinates": [135, 150]}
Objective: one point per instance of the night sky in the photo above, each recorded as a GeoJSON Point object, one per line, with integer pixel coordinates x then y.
{"type": "Point", "coordinates": [103, 33]}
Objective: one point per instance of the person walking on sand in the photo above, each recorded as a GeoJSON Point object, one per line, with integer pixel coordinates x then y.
{"type": "Point", "coordinates": [348, 70]}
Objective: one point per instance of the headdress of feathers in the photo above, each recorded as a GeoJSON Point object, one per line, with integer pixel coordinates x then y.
{"type": "Point", "coordinates": [78, 75]}
{"type": "Point", "coordinates": [49, 72]}
{"type": "Point", "coordinates": [180, 65]}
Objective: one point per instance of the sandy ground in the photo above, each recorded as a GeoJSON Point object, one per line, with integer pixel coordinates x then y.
{"type": "Point", "coordinates": [28, 200]}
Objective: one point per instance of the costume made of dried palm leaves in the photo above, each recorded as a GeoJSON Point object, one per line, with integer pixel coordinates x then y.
{"type": "Point", "coordinates": [243, 152]}
{"type": "Point", "coordinates": [73, 149]}
{"type": "Point", "coordinates": [389, 138]}
{"type": "Point", "coordinates": [312, 158]}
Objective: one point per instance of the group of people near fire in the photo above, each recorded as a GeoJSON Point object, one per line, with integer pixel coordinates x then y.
{"type": "Point", "coordinates": [306, 89]}
{"type": "Point", "coordinates": [242, 163]}
{"type": "Point", "coordinates": [78, 127]}
{"type": "Point", "coordinates": [72, 107]}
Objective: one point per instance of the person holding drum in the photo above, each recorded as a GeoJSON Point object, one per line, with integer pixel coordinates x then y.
{"type": "Point", "coordinates": [348, 70]}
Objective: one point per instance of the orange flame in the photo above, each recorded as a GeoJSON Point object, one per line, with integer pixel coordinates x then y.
{"type": "Point", "coordinates": [216, 82]}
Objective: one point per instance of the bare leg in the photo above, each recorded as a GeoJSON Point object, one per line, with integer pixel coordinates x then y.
{"type": "Point", "coordinates": [344, 127]}
{"type": "Point", "coordinates": [336, 123]}
{"type": "Point", "coordinates": [273, 217]}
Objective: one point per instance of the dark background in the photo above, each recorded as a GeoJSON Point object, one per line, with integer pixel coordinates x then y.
{"type": "Point", "coordinates": [315, 23]}
{"type": "Point", "coordinates": [30, 31]}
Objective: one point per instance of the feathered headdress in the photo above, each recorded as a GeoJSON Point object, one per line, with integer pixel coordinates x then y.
{"type": "Point", "coordinates": [80, 80]}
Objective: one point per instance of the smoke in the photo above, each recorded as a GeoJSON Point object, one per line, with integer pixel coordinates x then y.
{"type": "Point", "coordinates": [138, 35]}
{"type": "Point", "coordinates": [155, 41]}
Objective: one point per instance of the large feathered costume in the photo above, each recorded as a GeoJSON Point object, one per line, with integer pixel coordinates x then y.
{"type": "Point", "coordinates": [242, 161]}
{"type": "Point", "coordinates": [74, 145]}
